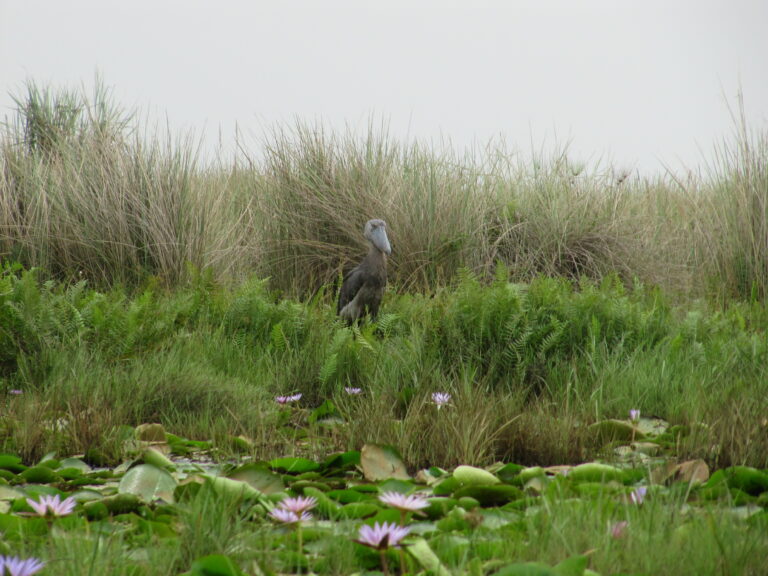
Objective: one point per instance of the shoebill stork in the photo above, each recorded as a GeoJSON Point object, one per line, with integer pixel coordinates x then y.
{"type": "Point", "coordinates": [363, 286]}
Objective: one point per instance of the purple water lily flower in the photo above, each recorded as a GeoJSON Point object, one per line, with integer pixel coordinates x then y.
{"type": "Point", "coordinates": [409, 503]}
{"type": "Point", "coordinates": [14, 566]}
{"type": "Point", "coordinates": [382, 536]}
{"type": "Point", "coordinates": [634, 415]}
{"type": "Point", "coordinates": [293, 510]}
{"type": "Point", "coordinates": [16, 392]}
{"type": "Point", "coordinates": [283, 400]}
{"type": "Point", "coordinates": [352, 391]}
{"type": "Point", "coordinates": [289, 516]}
{"type": "Point", "coordinates": [298, 504]}
{"type": "Point", "coordinates": [52, 505]}
{"type": "Point", "coordinates": [638, 495]}
{"type": "Point", "coordinates": [440, 399]}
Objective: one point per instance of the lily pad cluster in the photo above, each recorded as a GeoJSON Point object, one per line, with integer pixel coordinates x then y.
{"type": "Point", "coordinates": [434, 521]}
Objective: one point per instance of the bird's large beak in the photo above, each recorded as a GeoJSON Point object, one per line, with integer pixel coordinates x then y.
{"type": "Point", "coordinates": [380, 240]}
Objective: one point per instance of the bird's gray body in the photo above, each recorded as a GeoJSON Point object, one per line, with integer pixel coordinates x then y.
{"type": "Point", "coordinates": [364, 285]}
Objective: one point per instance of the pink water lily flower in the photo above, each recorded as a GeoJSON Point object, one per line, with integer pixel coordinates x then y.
{"type": "Point", "coordinates": [382, 536]}
{"type": "Point", "coordinates": [298, 504]}
{"type": "Point", "coordinates": [410, 503]}
{"type": "Point", "coordinates": [619, 529]}
{"type": "Point", "coordinates": [52, 505]}
{"type": "Point", "coordinates": [14, 566]}
{"type": "Point", "coordinates": [282, 400]}
{"type": "Point", "coordinates": [289, 516]}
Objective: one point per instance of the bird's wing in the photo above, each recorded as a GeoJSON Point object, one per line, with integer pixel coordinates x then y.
{"type": "Point", "coordinates": [353, 281]}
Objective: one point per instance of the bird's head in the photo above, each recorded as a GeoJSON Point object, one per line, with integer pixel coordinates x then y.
{"type": "Point", "coordinates": [376, 233]}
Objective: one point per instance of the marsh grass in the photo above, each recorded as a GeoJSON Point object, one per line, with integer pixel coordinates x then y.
{"type": "Point", "coordinates": [681, 543]}
{"type": "Point", "coordinates": [84, 195]}
{"type": "Point", "coordinates": [732, 220]}
{"type": "Point", "coordinates": [529, 367]}
{"type": "Point", "coordinates": [542, 294]}
{"type": "Point", "coordinates": [87, 192]}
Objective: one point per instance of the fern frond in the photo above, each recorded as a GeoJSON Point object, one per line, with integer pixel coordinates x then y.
{"type": "Point", "coordinates": [329, 369]}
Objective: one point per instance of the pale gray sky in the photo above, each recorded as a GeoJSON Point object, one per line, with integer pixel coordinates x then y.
{"type": "Point", "coordinates": [636, 82]}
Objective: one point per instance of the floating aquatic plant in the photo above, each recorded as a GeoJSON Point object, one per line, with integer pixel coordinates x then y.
{"type": "Point", "coordinates": [382, 537]}
{"type": "Point", "coordinates": [294, 511]}
{"type": "Point", "coordinates": [404, 503]}
{"type": "Point", "coordinates": [283, 400]}
{"type": "Point", "coordinates": [15, 566]}
{"type": "Point", "coordinates": [52, 505]}
{"type": "Point", "coordinates": [298, 505]}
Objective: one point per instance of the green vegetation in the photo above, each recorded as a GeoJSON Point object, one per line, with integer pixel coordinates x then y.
{"type": "Point", "coordinates": [547, 300]}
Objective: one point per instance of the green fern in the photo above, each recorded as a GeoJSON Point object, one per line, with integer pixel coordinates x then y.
{"type": "Point", "coordinates": [329, 369]}
{"type": "Point", "coordinates": [278, 338]}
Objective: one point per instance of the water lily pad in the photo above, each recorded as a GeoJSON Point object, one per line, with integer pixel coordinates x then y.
{"type": "Point", "coordinates": [358, 510]}
{"type": "Point", "coordinates": [380, 462]}
{"type": "Point", "coordinates": [69, 473]}
{"type": "Point", "coordinates": [425, 556]}
{"type": "Point", "coordinates": [39, 475]}
{"type": "Point", "coordinates": [595, 472]}
{"type": "Point", "coordinates": [265, 481]}
{"type": "Point", "coordinates": [11, 463]}
{"type": "Point", "coordinates": [690, 472]}
{"type": "Point", "coordinates": [230, 487]}
{"type": "Point", "coordinates": [348, 496]}
{"type": "Point", "coordinates": [14, 527]}
{"type": "Point", "coordinates": [342, 461]}
{"type": "Point", "coordinates": [294, 465]}
{"type": "Point", "coordinates": [148, 483]}
{"type": "Point", "coordinates": [439, 507]}
{"type": "Point", "coordinates": [446, 487]}
{"type": "Point", "coordinates": [326, 508]}
{"type": "Point", "coordinates": [299, 485]}
{"type": "Point", "coordinates": [607, 431]}
{"type": "Point", "coordinates": [8, 493]}
{"type": "Point", "coordinates": [75, 463]}
{"type": "Point", "coordinates": [471, 476]}
{"type": "Point", "coordinates": [215, 565]}
{"type": "Point", "coordinates": [747, 479]}
{"type": "Point", "coordinates": [533, 472]}
{"type": "Point", "coordinates": [509, 472]}
{"type": "Point", "coordinates": [156, 458]}
{"type": "Point", "coordinates": [527, 569]}
{"type": "Point", "coordinates": [122, 503]}
{"type": "Point", "coordinates": [652, 426]}
{"type": "Point", "coordinates": [573, 566]}
{"type": "Point", "coordinates": [467, 502]}
{"type": "Point", "coordinates": [497, 495]}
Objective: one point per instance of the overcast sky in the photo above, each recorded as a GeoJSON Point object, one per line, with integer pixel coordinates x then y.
{"type": "Point", "coordinates": [640, 83]}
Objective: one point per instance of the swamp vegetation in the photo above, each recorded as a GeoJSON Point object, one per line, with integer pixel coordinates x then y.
{"type": "Point", "coordinates": [568, 374]}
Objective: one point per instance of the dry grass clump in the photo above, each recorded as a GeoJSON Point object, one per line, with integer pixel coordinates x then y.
{"type": "Point", "coordinates": [444, 212]}
{"type": "Point", "coordinates": [319, 189]}
{"type": "Point", "coordinates": [87, 198]}
{"type": "Point", "coordinates": [84, 194]}
{"type": "Point", "coordinates": [731, 223]}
